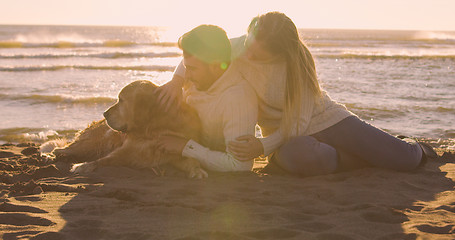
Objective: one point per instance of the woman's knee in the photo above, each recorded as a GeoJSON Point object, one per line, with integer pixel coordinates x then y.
{"type": "Point", "coordinates": [307, 156]}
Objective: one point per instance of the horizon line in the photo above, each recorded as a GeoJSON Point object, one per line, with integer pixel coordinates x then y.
{"type": "Point", "coordinates": [158, 26]}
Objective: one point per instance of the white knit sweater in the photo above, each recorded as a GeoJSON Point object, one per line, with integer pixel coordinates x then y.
{"type": "Point", "coordinates": [228, 109]}
{"type": "Point", "coordinates": [269, 82]}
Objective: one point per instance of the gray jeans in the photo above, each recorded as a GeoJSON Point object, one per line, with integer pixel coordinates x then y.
{"type": "Point", "coordinates": [349, 144]}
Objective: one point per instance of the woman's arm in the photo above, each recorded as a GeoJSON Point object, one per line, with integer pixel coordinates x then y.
{"type": "Point", "coordinates": [272, 142]}
{"type": "Point", "coordinates": [248, 146]}
{"type": "Point", "coordinates": [252, 147]}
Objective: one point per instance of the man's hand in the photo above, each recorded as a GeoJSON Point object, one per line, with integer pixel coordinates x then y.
{"type": "Point", "coordinates": [246, 148]}
{"type": "Point", "coordinates": [172, 144]}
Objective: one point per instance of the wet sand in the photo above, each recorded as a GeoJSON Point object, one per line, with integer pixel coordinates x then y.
{"type": "Point", "coordinates": [41, 199]}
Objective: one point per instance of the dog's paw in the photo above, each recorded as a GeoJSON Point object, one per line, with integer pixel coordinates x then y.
{"type": "Point", "coordinates": [198, 173]}
{"type": "Point", "coordinates": [83, 168]}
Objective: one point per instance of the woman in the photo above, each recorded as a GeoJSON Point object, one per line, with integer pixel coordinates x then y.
{"type": "Point", "coordinates": [306, 132]}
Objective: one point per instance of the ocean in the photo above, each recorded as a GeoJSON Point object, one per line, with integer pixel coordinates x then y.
{"type": "Point", "coordinates": [55, 80]}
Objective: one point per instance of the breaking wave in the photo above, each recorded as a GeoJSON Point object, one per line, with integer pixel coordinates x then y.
{"type": "Point", "coordinates": [87, 67]}
{"type": "Point", "coordinates": [56, 99]}
{"type": "Point", "coordinates": [111, 55]}
{"type": "Point", "coordinates": [397, 111]}
{"type": "Point", "coordinates": [384, 56]}
{"type": "Point", "coordinates": [70, 44]}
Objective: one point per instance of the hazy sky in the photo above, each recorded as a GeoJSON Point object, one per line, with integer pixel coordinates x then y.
{"type": "Point", "coordinates": [234, 15]}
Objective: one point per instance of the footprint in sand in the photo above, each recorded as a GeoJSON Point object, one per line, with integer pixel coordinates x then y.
{"type": "Point", "coordinates": [21, 219]}
{"type": "Point", "coordinates": [450, 208]}
{"type": "Point", "coordinates": [4, 154]}
{"type": "Point", "coordinates": [30, 151]}
{"type": "Point", "coordinates": [448, 229]}
{"type": "Point", "coordinates": [413, 208]}
{"type": "Point", "coordinates": [29, 198]}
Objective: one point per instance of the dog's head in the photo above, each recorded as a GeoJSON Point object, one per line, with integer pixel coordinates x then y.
{"type": "Point", "coordinates": [136, 104]}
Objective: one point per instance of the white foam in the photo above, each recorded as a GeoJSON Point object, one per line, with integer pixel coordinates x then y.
{"type": "Point", "coordinates": [49, 38]}
{"type": "Point", "coordinates": [430, 35]}
{"type": "Point", "coordinates": [41, 136]}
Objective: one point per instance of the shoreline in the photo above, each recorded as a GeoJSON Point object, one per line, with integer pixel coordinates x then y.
{"type": "Point", "coordinates": [40, 199]}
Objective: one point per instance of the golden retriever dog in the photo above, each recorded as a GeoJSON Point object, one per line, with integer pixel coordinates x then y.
{"type": "Point", "coordinates": [129, 134]}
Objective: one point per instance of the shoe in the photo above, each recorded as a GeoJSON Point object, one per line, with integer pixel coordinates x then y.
{"type": "Point", "coordinates": [427, 150]}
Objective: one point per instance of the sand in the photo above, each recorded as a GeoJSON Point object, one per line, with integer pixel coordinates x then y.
{"type": "Point", "coordinates": [40, 199]}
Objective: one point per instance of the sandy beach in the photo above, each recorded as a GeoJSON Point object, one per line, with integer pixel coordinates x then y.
{"type": "Point", "coordinates": [40, 199]}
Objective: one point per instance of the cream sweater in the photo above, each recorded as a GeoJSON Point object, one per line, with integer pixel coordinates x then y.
{"type": "Point", "coordinates": [269, 82]}
{"type": "Point", "coordinates": [228, 109]}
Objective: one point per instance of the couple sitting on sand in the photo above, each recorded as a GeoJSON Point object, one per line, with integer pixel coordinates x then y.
{"type": "Point", "coordinates": [269, 77]}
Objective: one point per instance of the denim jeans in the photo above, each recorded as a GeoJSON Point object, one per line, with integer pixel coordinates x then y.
{"type": "Point", "coordinates": [349, 144]}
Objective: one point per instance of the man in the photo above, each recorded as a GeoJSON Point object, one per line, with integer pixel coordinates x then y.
{"type": "Point", "coordinates": [225, 102]}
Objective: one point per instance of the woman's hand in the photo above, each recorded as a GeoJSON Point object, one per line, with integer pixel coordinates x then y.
{"type": "Point", "coordinates": [169, 94]}
{"type": "Point", "coordinates": [246, 148]}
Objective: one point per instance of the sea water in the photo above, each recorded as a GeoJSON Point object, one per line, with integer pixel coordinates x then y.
{"type": "Point", "coordinates": [55, 80]}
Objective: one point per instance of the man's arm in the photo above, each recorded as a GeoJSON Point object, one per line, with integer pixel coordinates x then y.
{"type": "Point", "coordinates": [172, 91]}
{"type": "Point", "coordinates": [215, 160]}
{"type": "Point", "coordinates": [239, 118]}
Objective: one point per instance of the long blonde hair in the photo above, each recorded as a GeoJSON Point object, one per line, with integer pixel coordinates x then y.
{"type": "Point", "coordinates": [279, 35]}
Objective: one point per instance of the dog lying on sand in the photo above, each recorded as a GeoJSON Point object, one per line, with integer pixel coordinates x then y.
{"type": "Point", "coordinates": [128, 135]}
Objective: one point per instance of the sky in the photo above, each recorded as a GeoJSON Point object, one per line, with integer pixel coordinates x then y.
{"type": "Point", "coordinates": [234, 15]}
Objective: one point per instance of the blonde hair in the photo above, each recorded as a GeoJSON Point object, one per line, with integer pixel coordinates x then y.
{"type": "Point", "coordinates": [279, 35]}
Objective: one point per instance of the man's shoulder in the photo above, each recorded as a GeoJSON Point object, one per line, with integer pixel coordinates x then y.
{"type": "Point", "coordinates": [240, 91]}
